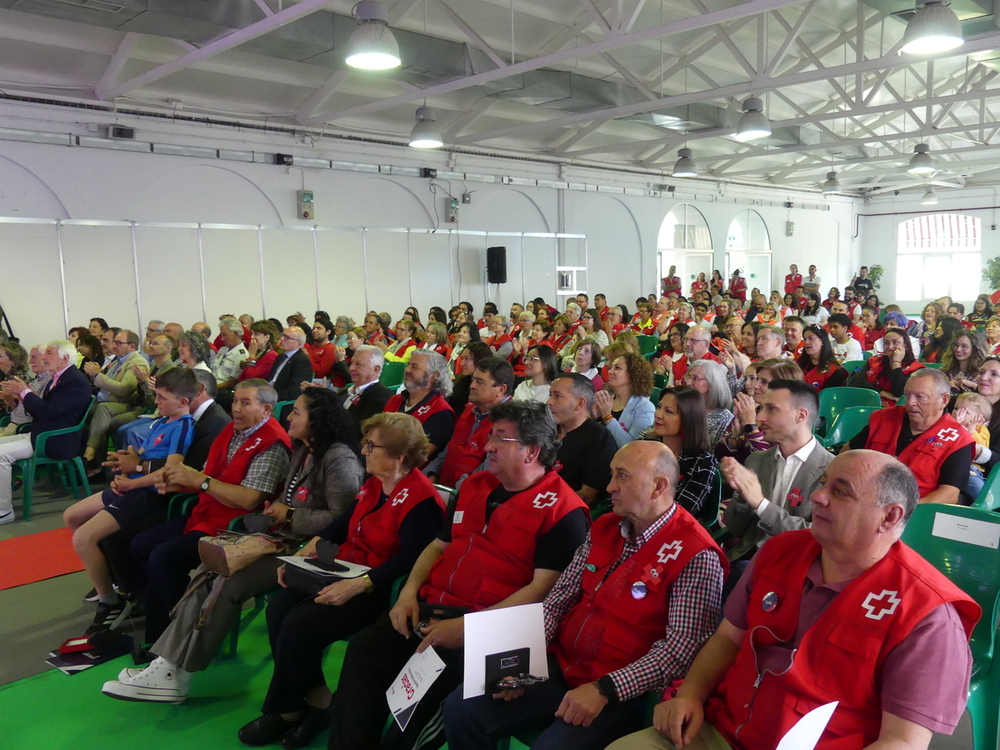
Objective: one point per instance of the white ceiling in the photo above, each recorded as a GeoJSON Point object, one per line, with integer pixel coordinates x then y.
{"type": "Point", "coordinates": [553, 79]}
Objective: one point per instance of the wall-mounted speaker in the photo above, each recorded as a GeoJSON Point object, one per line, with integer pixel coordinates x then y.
{"type": "Point", "coordinates": [496, 265]}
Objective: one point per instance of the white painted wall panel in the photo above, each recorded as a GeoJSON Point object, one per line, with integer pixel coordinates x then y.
{"type": "Point", "coordinates": [341, 274]}
{"type": "Point", "coordinates": [170, 275]}
{"type": "Point", "coordinates": [232, 273]}
{"type": "Point", "coordinates": [289, 273]}
{"type": "Point", "coordinates": [100, 275]}
{"type": "Point", "coordinates": [31, 293]}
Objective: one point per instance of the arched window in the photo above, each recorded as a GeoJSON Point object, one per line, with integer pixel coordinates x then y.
{"type": "Point", "coordinates": [748, 248]}
{"type": "Point", "coordinates": [938, 255]}
{"type": "Point", "coordinates": [684, 242]}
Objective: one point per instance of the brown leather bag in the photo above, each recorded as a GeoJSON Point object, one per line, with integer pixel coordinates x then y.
{"type": "Point", "coordinates": [229, 552]}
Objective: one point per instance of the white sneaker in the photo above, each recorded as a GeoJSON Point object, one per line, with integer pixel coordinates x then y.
{"type": "Point", "coordinates": [130, 672]}
{"type": "Point", "coordinates": [7, 517]}
{"type": "Point", "coordinates": [160, 682]}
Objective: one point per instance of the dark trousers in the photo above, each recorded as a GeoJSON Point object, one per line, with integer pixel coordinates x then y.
{"type": "Point", "coordinates": [374, 658]}
{"type": "Point", "coordinates": [299, 631]}
{"type": "Point", "coordinates": [477, 723]}
{"type": "Point", "coordinates": [164, 557]}
{"type": "Point", "coordinates": [117, 548]}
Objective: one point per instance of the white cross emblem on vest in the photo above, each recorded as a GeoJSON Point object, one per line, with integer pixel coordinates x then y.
{"type": "Point", "coordinates": [423, 410]}
{"type": "Point", "coordinates": [948, 435]}
{"type": "Point", "coordinates": [878, 607]}
{"type": "Point", "coordinates": [670, 551]}
{"type": "Point", "coordinates": [401, 496]}
{"type": "Point", "coordinates": [545, 500]}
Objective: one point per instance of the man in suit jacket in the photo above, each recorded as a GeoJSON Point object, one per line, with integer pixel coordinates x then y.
{"type": "Point", "coordinates": [62, 404]}
{"type": "Point", "coordinates": [772, 491]}
{"type": "Point", "coordinates": [292, 367]}
{"type": "Point", "coordinates": [366, 396]}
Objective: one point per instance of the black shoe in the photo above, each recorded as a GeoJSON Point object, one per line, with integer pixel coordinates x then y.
{"type": "Point", "coordinates": [314, 720]}
{"type": "Point", "coordinates": [91, 596]}
{"type": "Point", "coordinates": [265, 730]}
{"type": "Point", "coordinates": [109, 616]}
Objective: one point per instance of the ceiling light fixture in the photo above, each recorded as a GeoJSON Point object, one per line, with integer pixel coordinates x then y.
{"type": "Point", "coordinates": [425, 133]}
{"type": "Point", "coordinates": [372, 46]}
{"type": "Point", "coordinates": [930, 198]}
{"type": "Point", "coordinates": [685, 166]}
{"type": "Point", "coordinates": [753, 125]}
{"type": "Point", "coordinates": [934, 28]}
{"type": "Point", "coordinates": [832, 184]}
{"type": "Point", "coordinates": [921, 161]}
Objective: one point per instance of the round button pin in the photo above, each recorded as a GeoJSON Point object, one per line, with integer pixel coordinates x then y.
{"type": "Point", "coordinates": [639, 590]}
{"type": "Point", "coordinates": [770, 601]}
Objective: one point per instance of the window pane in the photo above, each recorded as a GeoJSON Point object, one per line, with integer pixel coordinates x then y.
{"type": "Point", "coordinates": [909, 278]}
{"type": "Point", "coordinates": [965, 274]}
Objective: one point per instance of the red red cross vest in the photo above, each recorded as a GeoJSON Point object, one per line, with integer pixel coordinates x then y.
{"type": "Point", "coordinates": [817, 377]}
{"type": "Point", "coordinates": [738, 288]}
{"type": "Point", "coordinates": [927, 452]}
{"type": "Point", "coordinates": [373, 535]}
{"type": "Point", "coordinates": [209, 514]}
{"type": "Point", "coordinates": [467, 449]}
{"type": "Point", "coordinates": [422, 413]}
{"type": "Point", "coordinates": [485, 563]}
{"type": "Point", "coordinates": [839, 658]}
{"type": "Point", "coordinates": [608, 628]}
{"type": "Point", "coordinates": [792, 282]}
{"type": "Point", "coordinates": [671, 284]}
{"type": "Point", "coordinates": [680, 367]}
{"type": "Point", "coordinates": [878, 373]}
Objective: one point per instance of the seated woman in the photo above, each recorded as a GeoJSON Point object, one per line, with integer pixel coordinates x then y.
{"type": "Point", "coordinates": [13, 364]}
{"type": "Point", "coordinates": [88, 349]}
{"type": "Point", "coordinates": [872, 326]}
{"type": "Point", "coordinates": [540, 369]}
{"type": "Point", "coordinates": [989, 388]}
{"type": "Point", "coordinates": [561, 340]}
{"type": "Point", "coordinates": [590, 327]}
{"type": "Point", "coordinates": [340, 373]}
{"type": "Point", "coordinates": [962, 361]}
{"type": "Point", "coordinates": [819, 367]}
{"type": "Point", "coordinates": [193, 350]}
{"type": "Point", "coordinates": [501, 342]}
{"type": "Point", "coordinates": [625, 408]}
{"type": "Point", "coordinates": [889, 372]}
{"type": "Point", "coordinates": [815, 313]}
{"type": "Point", "coordinates": [663, 364]}
{"type": "Point", "coordinates": [710, 380]}
{"type": "Point", "coordinates": [405, 340]}
{"type": "Point", "coordinates": [397, 514]}
{"type": "Point", "coordinates": [587, 356]}
{"type": "Point", "coordinates": [465, 333]}
{"type": "Point", "coordinates": [945, 332]}
{"type": "Point", "coordinates": [323, 480]}
{"type": "Point", "coordinates": [537, 333]}
{"type": "Point", "coordinates": [992, 333]}
{"type": "Point", "coordinates": [679, 423]}
{"type": "Point", "coordinates": [982, 310]}
{"type": "Point", "coordinates": [743, 437]}
{"type": "Point", "coordinates": [473, 354]}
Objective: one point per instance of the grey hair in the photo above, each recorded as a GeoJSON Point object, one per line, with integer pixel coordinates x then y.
{"type": "Point", "coordinates": [232, 325]}
{"type": "Point", "coordinates": [437, 365]}
{"type": "Point", "coordinates": [896, 485]}
{"type": "Point", "coordinates": [207, 379]}
{"type": "Point", "coordinates": [378, 356]}
{"type": "Point", "coordinates": [614, 309]}
{"type": "Point", "coordinates": [64, 348]}
{"type": "Point", "coordinates": [502, 320]}
{"type": "Point", "coordinates": [939, 378]}
{"type": "Point", "coordinates": [535, 426]}
{"type": "Point", "coordinates": [573, 306]}
{"type": "Point", "coordinates": [719, 396]}
{"type": "Point", "coordinates": [156, 325]}
{"type": "Point", "coordinates": [346, 320]}
{"type": "Point", "coordinates": [265, 392]}
{"type": "Point", "coordinates": [774, 331]}
{"type": "Point", "coordinates": [685, 306]}
{"type": "Point", "coordinates": [300, 335]}
{"type": "Point", "coordinates": [198, 343]}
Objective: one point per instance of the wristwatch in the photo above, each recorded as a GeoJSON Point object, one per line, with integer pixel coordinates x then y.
{"type": "Point", "coordinates": [289, 514]}
{"type": "Point", "coordinates": [204, 485]}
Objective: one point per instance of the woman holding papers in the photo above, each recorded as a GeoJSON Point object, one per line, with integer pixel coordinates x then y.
{"type": "Point", "coordinates": [323, 480]}
{"type": "Point", "coordinates": [397, 513]}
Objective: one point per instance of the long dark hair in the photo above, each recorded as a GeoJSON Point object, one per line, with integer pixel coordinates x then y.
{"type": "Point", "coordinates": [694, 424]}
{"type": "Point", "coordinates": [473, 330]}
{"type": "Point", "coordinates": [550, 363]}
{"type": "Point", "coordinates": [908, 358]}
{"type": "Point", "coordinates": [951, 329]}
{"type": "Point", "coordinates": [815, 303]}
{"type": "Point", "coordinates": [329, 423]}
{"type": "Point", "coordinates": [826, 357]}
{"type": "Point", "coordinates": [977, 342]}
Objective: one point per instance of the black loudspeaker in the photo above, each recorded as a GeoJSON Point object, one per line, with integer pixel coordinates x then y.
{"type": "Point", "coordinates": [496, 265]}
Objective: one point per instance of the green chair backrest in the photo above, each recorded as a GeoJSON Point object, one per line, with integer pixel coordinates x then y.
{"type": "Point", "coordinates": [647, 344]}
{"type": "Point", "coordinates": [654, 396]}
{"type": "Point", "coordinates": [867, 355]}
{"type": "Point", "coordinates": [392, 374]}
{"type": "Point", "coordinates": [972, 567]}
{"type": "Point", "coordinates": [43, 438]}
{"type": "Point", "coordinates": [708, 515]}
{"type": "Point", "coordinates": [989, 495]}
{"type": "Point", "coordinates": [848, 424]}
{"type": "Point", "coordinates": [933, 365]}
{"type": "Point", "coordinates": [282, 409]}
{"type": "Point", "coordinates": [853, 365]}
{"type": "Point", "coordinates": [660, 380]}
{"type": "Point", "coordinates": [832, 401]}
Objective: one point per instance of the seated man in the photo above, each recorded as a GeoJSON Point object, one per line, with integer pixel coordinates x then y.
{"type": "Point", "coordinates": [62, 404]}
{"type": "Point", "coordinates": [842, 611]}
{"type": "Point", "coordinates": [512, 530]}
{"type": "Point", "coordinates": [127, 431]}
{"type": "Point", "coordinates": [845, 346]}
{"type": "Point", "coordinates": [246, 465]}
{"type": "Point", "coordinates": [793, 327]}
{"type": "Point", "coordinates": [492, 383]}
{"type": "Point", "coordinates": [586, 447]}
{"type": "Point", "coordinates": [366, 395]}
{"type": "Point", "coordinates": [772, 491]}
{"type": "Point", "coordinates": [132, 497]}
{"type": "Point", "coordinates": [941, 459]}
{"type": "Point", "coordinates": [627, 616]}
{"type": "Point", "coordinates": [426, 386]}
{"type": "Point", "coordinates": [118, 395]}
{"type": "Point", "coordinates": [697, 341]}
{"type": "Point", "coordinates": [322, 351]}
{"type": "Point", "coordinates": [292, 367]}
{"type": "Point", "coordinates": [771, 343]}
{"type": "Point", "coordinates": [18, 414]}
{"type": "Point", "coordinates": [230, 357]}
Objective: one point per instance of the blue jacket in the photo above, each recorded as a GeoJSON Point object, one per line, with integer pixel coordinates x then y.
{"type": "Point", "coordinates": [637, 416]}
{"type": "Point", "coordinates": [59, 407]}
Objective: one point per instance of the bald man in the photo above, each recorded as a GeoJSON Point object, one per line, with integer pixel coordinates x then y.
{"type": "Point", "coordinates": [642, 593]}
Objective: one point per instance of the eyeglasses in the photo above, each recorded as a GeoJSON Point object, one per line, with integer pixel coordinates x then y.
{"type": "Point", "coordinates": [367, 446]}
{"type": "Point", "coordinates": [286, 336]}
{"type": "Point", "coordinates": [531, 359]}
{"type": "Point", "coordinates": [491, 438]}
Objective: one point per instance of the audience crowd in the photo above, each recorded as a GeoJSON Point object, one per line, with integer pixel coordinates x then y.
{"type": "Point", "coordinates": [576, 457]}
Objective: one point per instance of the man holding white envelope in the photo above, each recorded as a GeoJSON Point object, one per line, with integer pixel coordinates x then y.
{"type": "Point", "coordinates": [842, 611]}
{"type": "Point", "coordinates": [627, 616]}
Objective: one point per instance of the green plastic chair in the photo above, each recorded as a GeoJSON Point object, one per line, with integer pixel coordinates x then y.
{"type": "Point", "coordinates": [867, 355]}
{"type": "Point", "coordinates": [660, 380]}
{"type": "Point", "coordinates": [832, 401]}
{"type": "Point", "coordinates": [989, 495]}
{"type": "Point", "coordinates": [654, 396]}
{"type": "Point", "coordinates": [975, 570]}
{"type": "Point", "coordinates": [282, 409]}
{"type": "Point", "coordinates": [647, 344]}
{"type": "Point", "coordinates": [708, 515]}
{"type": "Point", "coordinates": [853, 365]}
{"type": "Point", "coordinates": [933, 365]}
{"type": "Point", "coordinates": [73, 466]}
{"type": "Point", "coordinates": [392, 374]}
{"type": "Point", "coordinates": [848, 424]}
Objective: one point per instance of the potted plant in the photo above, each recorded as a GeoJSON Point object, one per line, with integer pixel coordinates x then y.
{"type": "Point", "coordinates": [991, 274]}
{"type": "Point", "coordinates": [875, 276]}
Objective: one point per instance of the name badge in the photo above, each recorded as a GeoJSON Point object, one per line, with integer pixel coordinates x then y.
{"type": "Point", "coordinates": [459, 514]}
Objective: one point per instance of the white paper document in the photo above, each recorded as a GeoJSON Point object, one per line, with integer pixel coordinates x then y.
{"type": "Point", "coordinates": [968, 530]}
{"type": "Point", "coordinates": [495, 630]}
{"type": "Point", "coordinates": [807, 730]}
{"type": "Point", "coordinates": [412, 684]}
{"type": "Point", "coordinates": [353, 570]}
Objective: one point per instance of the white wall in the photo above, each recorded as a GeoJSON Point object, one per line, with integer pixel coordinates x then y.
{"type": "Point", "coordinates": [81, 184]}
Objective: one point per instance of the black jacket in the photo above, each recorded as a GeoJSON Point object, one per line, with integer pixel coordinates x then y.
{"type": "Point", "coordinates": [61, 406]}
{"type": "Point", "coordinates": [298, 369]}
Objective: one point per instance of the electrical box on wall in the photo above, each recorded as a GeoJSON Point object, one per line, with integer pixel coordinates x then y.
{"type": "Point", "coordinates": [789, 228]}
{"type": "Point", "coordinates": [306, 204]}
{"type": "Point", "coordinates": [452, 211]}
